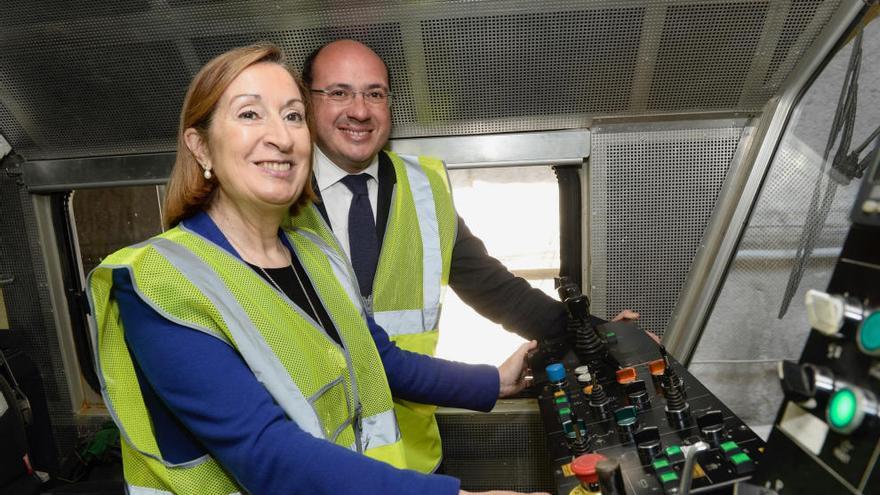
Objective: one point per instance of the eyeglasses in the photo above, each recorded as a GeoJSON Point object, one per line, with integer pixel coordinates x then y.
{"type": "Point", "coordinates": [346, 96]}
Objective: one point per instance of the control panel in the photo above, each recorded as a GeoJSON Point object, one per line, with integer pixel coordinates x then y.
{"type": "Point", "coordinates": [623, 417]}
{"type": "Point", "coordinates": [826, 437]}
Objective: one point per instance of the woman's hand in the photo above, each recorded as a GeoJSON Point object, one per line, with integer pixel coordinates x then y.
{"type": "Point", "coordinates": [513, 372]}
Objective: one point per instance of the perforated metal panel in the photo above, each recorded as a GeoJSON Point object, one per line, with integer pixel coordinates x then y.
{"type": "Point", "coordinates": [652, 190]}
{"type": "Point", "coordinates": [504, 450]}
{"type": "Point", "coordinates": [98, 78]}
{"type": "Point", "coordinates": [28, 308]}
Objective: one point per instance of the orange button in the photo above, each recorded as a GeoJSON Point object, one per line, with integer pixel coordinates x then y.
{"type": "Point", "coordinates": [626, 375]}
{"type": "Point", "coordinates": [657, 367]}
{"type": "Point", "coordinates": [559, 393]}
{"type": "Point", "coordinates": [588, 390]}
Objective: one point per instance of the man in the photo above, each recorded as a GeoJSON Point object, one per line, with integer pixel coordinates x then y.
{"type": "Point", "coordinates": [394, 218]}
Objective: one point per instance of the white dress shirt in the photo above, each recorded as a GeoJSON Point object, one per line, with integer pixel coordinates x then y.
{"type": "Point", "coordinates": [337, 198]}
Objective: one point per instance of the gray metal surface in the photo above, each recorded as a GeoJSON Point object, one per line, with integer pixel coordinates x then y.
{"type": "Point", "coordinates": [107, 78]}
{"type": "Point", "coordinates": [744, 327]}
{"type": "Point", "coordinates": [498, 150]}
{"type": "Point", "coordinates": [30, 314]}
{"type": "Point", "coordinates": [506, 449]}
{"type": "Point", "coordinates": [738, 197]}
{"type": "Point", "coordinates": [652, 191]}
{"type": "Point", "coordinates": [42, 176]}
{"type": "Point", "coordinates": [517, 149]}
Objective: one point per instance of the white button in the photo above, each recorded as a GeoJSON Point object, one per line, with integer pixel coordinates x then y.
{"type": "Point", "coordinates": [584, 378]}
{"type": "Point", "coordinates": [580, 370]}
{"type": "Point", "coordinates": [824, 311]}
{"type": "Point", "coordinates": [871, 206]}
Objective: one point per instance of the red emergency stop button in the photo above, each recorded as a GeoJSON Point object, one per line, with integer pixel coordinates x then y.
{"type": "Point", "coordinates": [584, 467]}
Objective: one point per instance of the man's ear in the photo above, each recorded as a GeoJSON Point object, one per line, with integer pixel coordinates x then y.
{"type": "Point", "coordinates": [197, 147]}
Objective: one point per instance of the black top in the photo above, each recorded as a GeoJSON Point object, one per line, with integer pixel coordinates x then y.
{"type": "Point", "coordinates": [287, 281]}
{"type": "Point", "coordinates": [480, 280]}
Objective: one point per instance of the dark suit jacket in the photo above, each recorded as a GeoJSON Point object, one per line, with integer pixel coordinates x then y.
{"type": "Point", "coordinates": [480, 280]}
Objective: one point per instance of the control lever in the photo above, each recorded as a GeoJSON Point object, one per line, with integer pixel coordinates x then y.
{"type": "Point", "coordinates": [648, 444]}
{"type": "Point", "coordinates": [805, 383]}
{"type": "Point", "coordinates": [677, 409]}
{"type": "Point", "coordinates": [687, 472]}
{"type": "Point", "coordinates": [610, 477]}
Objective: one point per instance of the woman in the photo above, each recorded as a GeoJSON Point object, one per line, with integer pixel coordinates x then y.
{"type": "Point", "coordinates": [237, 358]}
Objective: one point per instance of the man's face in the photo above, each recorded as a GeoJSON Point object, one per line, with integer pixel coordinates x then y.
{"type": "Point", "coordinates": [350, 133]}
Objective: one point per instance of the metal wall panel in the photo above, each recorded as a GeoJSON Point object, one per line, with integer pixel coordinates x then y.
{"type": "Point", "coordinates": [504, 450]}
{"type": "Point", "coordinates": [29, 311]}
{"type": "Point", "coordinates": [96, 78]}
{"type": "Point", "coordinates": [652, 190]}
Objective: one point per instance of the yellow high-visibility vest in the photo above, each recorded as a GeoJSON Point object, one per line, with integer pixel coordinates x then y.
{"type": "Point", "coordinates": [338, 393]}
{"type": "Point", "coordinates": [411, 276]}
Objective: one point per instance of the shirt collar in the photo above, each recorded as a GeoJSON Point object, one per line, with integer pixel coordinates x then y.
{"type": "Point", "coordinates": [328, 173]}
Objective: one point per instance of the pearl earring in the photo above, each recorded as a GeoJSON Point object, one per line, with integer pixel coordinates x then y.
{"type": "Point", "coordinates": [207, 174]}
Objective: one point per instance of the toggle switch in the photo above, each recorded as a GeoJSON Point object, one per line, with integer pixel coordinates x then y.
{"type": "Point", "coordinates": [805, 383]}
{"type": "Point", "coordinates": [637, 393]}
{"type": "Point", "coordinates": [648, 444]}
{"type": "Point", "coordinates": [828, 312]}
{"type": "Point", "coordinates": [627, 422]}
{"type": "Point", "coordinates": [711, 426]}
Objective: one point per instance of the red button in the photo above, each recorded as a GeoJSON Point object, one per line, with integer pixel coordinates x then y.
{"type": "Point", "coordinates": [584, 467]}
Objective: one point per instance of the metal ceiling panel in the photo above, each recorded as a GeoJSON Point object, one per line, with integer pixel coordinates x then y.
{"type": "Point", "coordinates": [81, 79]}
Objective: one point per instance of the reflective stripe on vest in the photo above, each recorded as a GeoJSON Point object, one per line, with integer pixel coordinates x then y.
{"type": "Point", "coordinates": [142, 490]}
{"type": "Point", "coordinates": [432, 259]}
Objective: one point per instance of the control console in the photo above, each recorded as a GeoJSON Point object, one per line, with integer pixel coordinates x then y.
{"type": "Point", "coordinates": [623, 417]}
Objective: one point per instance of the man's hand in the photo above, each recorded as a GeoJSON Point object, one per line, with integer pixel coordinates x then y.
{"type": "Point", "coordinates": [626, 314]}
{"type": "Point", "coordinates": [512, 371]}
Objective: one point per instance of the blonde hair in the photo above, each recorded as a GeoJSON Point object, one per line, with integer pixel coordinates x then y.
{"type": "Point", "coordinates": [188, 191]}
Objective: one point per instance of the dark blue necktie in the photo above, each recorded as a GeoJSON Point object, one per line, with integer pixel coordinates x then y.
{"type": "Point", "coordinates": [362, 240]}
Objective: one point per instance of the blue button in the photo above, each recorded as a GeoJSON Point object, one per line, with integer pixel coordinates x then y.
{"type": "Point", "coordinates": [556, 372]}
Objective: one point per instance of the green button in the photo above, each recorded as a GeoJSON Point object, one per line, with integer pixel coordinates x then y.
{"type": "Point", "coordinates": [673, 450]}
{"type": "Point", "coordinates": [564, 411]}
{"type": "Point", "coordinates": [562, 400]}
{"type": "Point", "coordinates": [842, 409]}
{"type": "Point", "coordinates": [728, 446]}
{"type": "Point", "coordinates": [869, 334]}
{"type": "Point", "coordinates": [668, 476]}
{"type": "Point", "coordinates": [660, 464]}
{"type": "Point", "coordinates": [740, 458]}
{"type": "Point", "coordinates": [610, 334]}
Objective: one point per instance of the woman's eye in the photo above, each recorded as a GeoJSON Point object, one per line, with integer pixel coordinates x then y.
{"type": "Point", "coordinates": [248, 114]}
{"type": "Point", "coordinates": [294, 117]}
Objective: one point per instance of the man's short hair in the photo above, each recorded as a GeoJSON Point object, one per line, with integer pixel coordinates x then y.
{"type": "Point", "coordinates": [309, 62]}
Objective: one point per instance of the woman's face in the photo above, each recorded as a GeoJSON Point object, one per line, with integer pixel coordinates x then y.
{"type": "Point", "coordinates": [259, 144]}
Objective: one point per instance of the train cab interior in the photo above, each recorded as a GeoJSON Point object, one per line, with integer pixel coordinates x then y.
{"type": "Point", "coordinates": [713, 165]}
